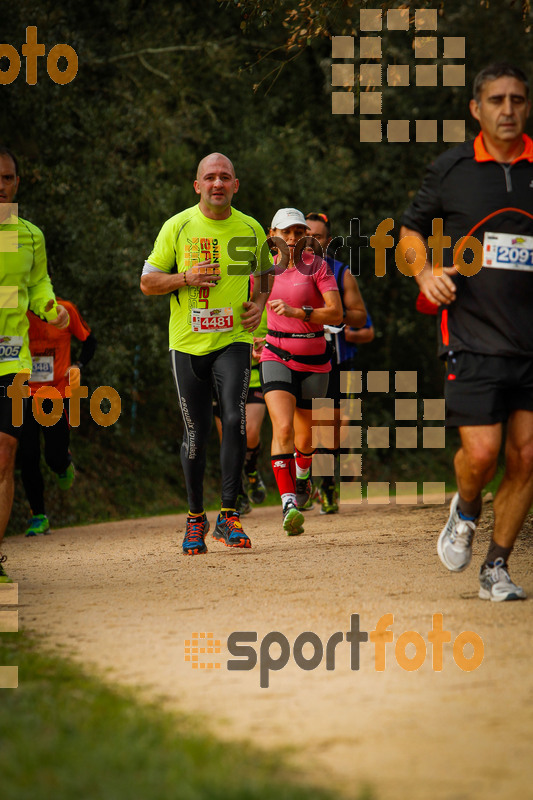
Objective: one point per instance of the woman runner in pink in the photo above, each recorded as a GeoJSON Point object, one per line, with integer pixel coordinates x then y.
{"type": "Point", "coordinates": [295, 361]}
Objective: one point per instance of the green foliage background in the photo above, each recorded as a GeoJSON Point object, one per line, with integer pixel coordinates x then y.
{"type": "Point", "coordinates": [107, 158]}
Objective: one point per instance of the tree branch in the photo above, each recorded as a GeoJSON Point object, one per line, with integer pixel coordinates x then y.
{"type": "Point", "coordinates": [149, 67]}
{"type": "Point", "coordinates": [183, 48]}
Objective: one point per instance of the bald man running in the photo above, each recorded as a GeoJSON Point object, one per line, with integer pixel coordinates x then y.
{"type": "Point", "coordinates": [211, 324]}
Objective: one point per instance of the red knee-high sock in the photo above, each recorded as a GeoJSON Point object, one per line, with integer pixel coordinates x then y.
{"type": "Point", "coordinates": [284, 469]}
{"type": "Point", "coordinates": [303, 461]}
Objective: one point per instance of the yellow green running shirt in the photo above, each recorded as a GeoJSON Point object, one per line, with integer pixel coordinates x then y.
{"type": "Point", "coordinates": [260, 332]}
{"type": "Point", "coordinates": [24, 282]}
{"type": "Point", "coordinates": [205, 319]}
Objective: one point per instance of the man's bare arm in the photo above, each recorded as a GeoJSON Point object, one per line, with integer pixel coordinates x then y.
{"type": "Point", "coordinates": [203, 274]}
{"type": "Point", "coordinates": [354, 307]}
{"type": "Point", "coordinates": [161, 282]}
{"type": "Point", "coordinates": [260, 297]}
{"type": "Point", "coordinates": [359, 336]}
{"type": "Point", "coordinates": [439, 290]}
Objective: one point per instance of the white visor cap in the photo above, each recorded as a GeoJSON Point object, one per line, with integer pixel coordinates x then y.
{"type": "Point", "coordinates": [286, 217]}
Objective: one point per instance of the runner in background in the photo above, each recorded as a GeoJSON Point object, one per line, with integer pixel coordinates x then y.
{"type": "Point", "coordinates": [357, 330]}
{"type": "Point", "coordinates": [255, 415]}
{"type": "Point", "coordinates": [24, 282]}
{"type": "Point", "coordinates": [295, 361]}
{"type": "Point", "coordinates": [51, 365]}
{"type": "Point", "coordinates": [254, 490]}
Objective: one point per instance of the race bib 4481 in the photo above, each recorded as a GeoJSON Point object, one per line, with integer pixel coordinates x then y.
{"type": "Point", "coordinates": [209, 320]}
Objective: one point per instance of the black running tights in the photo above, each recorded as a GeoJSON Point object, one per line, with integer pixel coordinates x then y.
{"type": "Point", "coordinates": [228, 370]}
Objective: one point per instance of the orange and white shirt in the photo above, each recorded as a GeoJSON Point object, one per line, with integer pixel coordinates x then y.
{"type": "Point", "coordinates": [50, 348]}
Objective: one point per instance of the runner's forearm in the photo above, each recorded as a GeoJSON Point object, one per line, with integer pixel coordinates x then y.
{"type": "Point", "coordinates": [157, 283]}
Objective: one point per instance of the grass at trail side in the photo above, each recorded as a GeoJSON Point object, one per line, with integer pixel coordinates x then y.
{"type": "Point", "coordinates": [67, 736]}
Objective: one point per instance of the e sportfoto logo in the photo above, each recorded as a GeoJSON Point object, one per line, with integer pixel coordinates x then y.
{"type": "Point", "coordinates": [275, 649]}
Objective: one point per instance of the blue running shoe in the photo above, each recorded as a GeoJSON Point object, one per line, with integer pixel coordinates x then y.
{"type": "Point", "coordinates": [229, 530]}
{"type": "Point", "coordinates": [195, 532]}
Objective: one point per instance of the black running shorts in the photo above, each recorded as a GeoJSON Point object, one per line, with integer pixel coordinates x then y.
{"type": "Point", "coordinates": [485, 390]}
{"type": "Point", "coordinates": [6, 417]}
{"type": "Point", "coordinates": [303, 385]}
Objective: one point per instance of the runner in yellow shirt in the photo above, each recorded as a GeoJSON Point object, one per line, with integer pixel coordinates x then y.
{"type": "Point", "coordinates": [24, 283]}
{"type": "Point", "coordinates": [196, 260]}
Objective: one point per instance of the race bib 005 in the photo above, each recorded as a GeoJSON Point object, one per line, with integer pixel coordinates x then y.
{"type": "Point", "coordinates": [10, 347]}
{"type": "Point", "coordinates": [210, 320]}
{"type": "Point", "coordinates": [508, 251]}
{"type": "Point", "coordinates": [42, 369]}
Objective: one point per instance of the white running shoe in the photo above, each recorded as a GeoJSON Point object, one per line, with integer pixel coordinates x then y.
{"type": "Point", "coordinates": [496, 584]}
{"type": "Point", "coordinates": [455, 541]}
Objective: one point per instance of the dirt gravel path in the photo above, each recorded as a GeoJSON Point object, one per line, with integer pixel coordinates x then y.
{"type": "Point", "coordinates": [121, 598]}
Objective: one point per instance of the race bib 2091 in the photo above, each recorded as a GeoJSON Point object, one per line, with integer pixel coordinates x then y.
{"type": "Point", "coordinates": [508, 251]}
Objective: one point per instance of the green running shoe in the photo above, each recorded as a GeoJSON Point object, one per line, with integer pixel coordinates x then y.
{"type": "Point", "coordinates": [38, 525]}
{"type": "Point", "coordinates": [293, 519]}
{"type": "Point", "coordinates": [328, 500]}
{"type": "Point", "coordinates": [304, 488]}
{"type": "Point", "coordinates": [3, 577]}
{"type": "Point", "coordinates": [256, 487]}
{"type": "Point", "coordinates": [243, 504]}
{"type": "Point", "coordinates": [306, 492]}
{"type": "Point", "coordinates": [66, 479]}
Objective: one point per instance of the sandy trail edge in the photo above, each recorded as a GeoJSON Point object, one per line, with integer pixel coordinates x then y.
{"type": "Point", "coordinates": [120, 597]}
